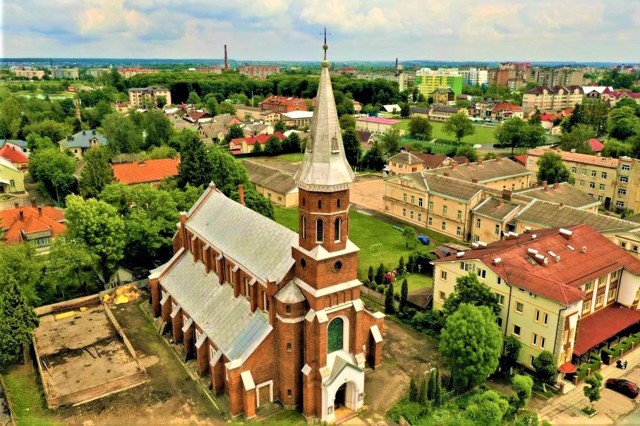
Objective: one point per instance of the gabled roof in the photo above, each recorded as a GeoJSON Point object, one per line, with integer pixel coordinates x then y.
{"type": "Point", "coordinates": [252, 140]}
{"type": "Point", "coordinates": [243, 235]}
{"type": "Point", "coordinates": [391, 108]}
{"type": "Point", "coordinates": [13, 154]}
{"type": "Point", "coordinates": [225, 319]}
{"type": "Point", "coordinates": [8, 164]}
{"type": "Point", "coordinates": [146, 171]}
{"type": "Point", "coordinates": [561, 193]}
{"type": "Point", "coordinates": [565, 270]}
{"type": "Point", "coordinates": [496, 208]}
{"type": "Point", "coordinates": [17, 142]}
{"type": "Point", "coordinates": [596, 145]}
{"type": "Point", "coordinates": [484, 171]}
{"type": "Point", "coordinates": [49, 220]}
{"type": "Point", "coordinates": [506, 106]}
{"type": "Point", "coordinates": [212, 129]}
{"type": "Point", "coordinates": [575, 157]}
{"type": "Point", "coordinates": [445, 109]}
{"type": "Point", "coordinates": [83, 139]}
{"type": "Point", "coordinates": [378, 120]}
{"type": "Point", "coordinates": [364, 136]}
{"type": "Point", "coordinates": [441, 185]}
{"type": "Point", "coordinates": [270, 178]}
{"type": "Point", "coordinates": [290, 293]}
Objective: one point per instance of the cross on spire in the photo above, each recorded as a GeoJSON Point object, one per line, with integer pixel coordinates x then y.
{"type": "Point", "coordinates": [325, 46]}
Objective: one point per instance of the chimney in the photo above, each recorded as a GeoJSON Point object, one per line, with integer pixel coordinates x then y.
{"type": "Point", "coordinates": [15, 204]}
{"type": "Point", "coordinates": [21, 214]}
{"type": "Point", "coordinates": [544, 185]}
{"type": "Point", "coordinates": [33, 202]}
{"type": "Point", "coordinates": [566, 233]}
{"type": "Point", "coordinates": [474, 180]}
{"type": "Point", "coordinates": [226, 58]}
{"type": "Point", "coordinates": [241, 194]}
{"type": "Point", "coordinates": [556, 185]}
{"type": "Point", "coordinates": [141, 163]}
{"type": "Point", "coordinates": [39, 210]}
{"type": "Point", "coordinates": [506, 194]}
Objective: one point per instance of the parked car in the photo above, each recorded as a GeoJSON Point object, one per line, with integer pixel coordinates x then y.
{"type": "Point", "coordinates": [624, 387]}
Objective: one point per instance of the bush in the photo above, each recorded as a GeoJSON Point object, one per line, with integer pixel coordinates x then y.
{"type": "Point", "coordinates": [380, 289]}
{"type": "Point", "coordinates": [429, 322]}
{"type": "Point", "coordinates": [411, 411]}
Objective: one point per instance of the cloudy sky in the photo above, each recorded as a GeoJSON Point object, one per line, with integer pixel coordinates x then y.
{"type": "Point", "coordinates": [484, 30]}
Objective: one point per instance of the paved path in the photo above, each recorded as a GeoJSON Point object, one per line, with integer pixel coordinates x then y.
{"type": "Point", "coordinates": [565, 409]}
{"type": "Point", "coordinates": [368, 194]}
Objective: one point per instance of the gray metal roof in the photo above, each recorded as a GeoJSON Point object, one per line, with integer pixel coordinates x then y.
{"type": "Point", "coordinates": [290, 293]}
{"type": "Point", "coordinates": [83, 139]}
{"type": "Point", "coordinates": [251, 240]}
{"type": "Point", "coordinates": [325, 167]}
{"type": "Point", "coordinates": [225, 319]}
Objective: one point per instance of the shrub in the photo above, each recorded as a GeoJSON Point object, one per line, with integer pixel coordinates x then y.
{"type": "Point", "coordinates": [411, 411]}
{"type": "Point", "coordinates": [429, 321]}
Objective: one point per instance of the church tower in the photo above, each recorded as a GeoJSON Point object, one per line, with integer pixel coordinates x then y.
{"type": "Point", "coordinates": [339, 334]}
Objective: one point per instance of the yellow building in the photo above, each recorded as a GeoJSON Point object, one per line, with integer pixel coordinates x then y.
{"type": "Point", "coordinates": [148, 96]}
{"type": "Point", "coordinates": [274, 184]}
{"type": "Point", "coordinates": [409, 162]}
{"type": "Point", "coordinates": [567, 291]}
{"type": "Point", "coordinates": [499, 173]}
{"type": "Point", "coordinates": [11, 179]}
{"type": "Point", "coordinates": [545, 98]}
{"type": "Point", "coordinates": [29, 73]}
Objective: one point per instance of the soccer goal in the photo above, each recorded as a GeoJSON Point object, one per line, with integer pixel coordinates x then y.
{"type": "Point", "coordinates": [376, 249]}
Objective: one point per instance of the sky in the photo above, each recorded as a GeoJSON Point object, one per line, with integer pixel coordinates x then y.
{"type": "Point", "coordinates": [289, 30]}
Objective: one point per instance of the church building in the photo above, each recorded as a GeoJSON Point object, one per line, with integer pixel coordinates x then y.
{"type": "Point", "coordinates": [271, 315]}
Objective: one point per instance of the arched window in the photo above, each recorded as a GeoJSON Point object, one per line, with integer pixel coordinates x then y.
{"type": "Point", "coordinates": [319, 230]}
{"type": "Point", "coordinates": [337, 228]}
{"type": "Point", "coordinates": [303, 226]}
{"type": "Point", "coordinates": [335, 335]}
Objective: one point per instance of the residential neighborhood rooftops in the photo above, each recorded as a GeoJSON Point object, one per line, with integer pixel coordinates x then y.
{"type": "Point", "coordinates": [560, 193]}
{"type": "Point", "coordinates": [262, 139]}
{"type": "Point", "coordinates": [269, 177]}
{"type": "Point", "coordinates": [13, 154]}
{"type": "Point", "coordinates": [483, 170]}
{"type": "Point", "coordinates": [83, 139]}
{"type": "Point", "coordinates": [578, 158]}
{"type": "Point", "coordinates": [496, 208]}
{"type": "Point", "coordinates": [596, 145]}
{"type": "Point", "coordinates": [146, 171]}
{"type": "Point", "coordinates": [24, 223]}
{"type": "Point", "coordinates": [379, 120]}
{"type": "Point", "coordinates": [506, 106]}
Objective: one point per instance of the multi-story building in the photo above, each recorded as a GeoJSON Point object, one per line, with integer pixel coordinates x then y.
{"type": "Point", "coordinates": [142, 97]}
{"type": "Point", "coordinates": [210, 70]}
{"type": "Point", "coordinates": [297, 118]}
{"type": "Point", "coordinates": [545, 98]}
{"type": "Point", "coordinates": [259, 71]}
{"type": "Point", "coordinates": [499, 173]}
{"type": "Point", "coordinates": [558, 77]}
{"type": "Point", "coordinates": [11, 179]}
{"type": "Point", "coordinates": [29, 73]}
{"type": "Point", "coordinates": [270, 314]}
{"type": "Point", "coordinates": [475, 77]}
{"type": "Point", "coordinates": [98, 72]}
{"type": "Point", "coordinates": [567, 291]}
{"type": "Point", "coordinates": [411, 162]}
{"type": "Point", "coordinates": [82, 141]}
{"type": "Point", "coordinates": [443, 113]}
{"type": "Point", "coordinates": [65, 73]}
{"type": "Point", "coordinates": [274, 184]}
{"type": "Point", "coordinates": [504, 110]}
{"type": "Point", "coordinates": [400, 78]}
{"type": "Point", "coordinates": [282, 104]}
{"type": "Point", "coordinates": [130, 72]}
{"type": "Point", "coordinates": [375, 124]}
{"type": "Point", "coordinates": [428, 80]}
{"type": "Point", "coordinates": [32, 224]}
{"type": "Point", "coordinates": [444, 96]}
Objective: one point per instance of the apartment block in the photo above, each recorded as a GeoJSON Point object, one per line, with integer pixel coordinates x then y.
{"type": "Point", "coordinates": [546, 98]}
{"type": "Point", "coordinates": [260, 72]}
{"type": "Point", "coordinates": [29, 73]}
{"type": "Point", "coordinates": [475, 77]}
{"type": "Point", "coordinates": [140, 97]}
{"type": "Point", "coordinates": [65, 73]}
{"type": "Point", "coordinates": [428, 81]}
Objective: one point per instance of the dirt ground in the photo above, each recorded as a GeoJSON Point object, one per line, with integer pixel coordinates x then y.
{"type": "Point", "coordinates": [284, 165]}
{"type": "Point", "coordinates": [368, 193]}
{"type": "Point", "coordinates": [406, 354]}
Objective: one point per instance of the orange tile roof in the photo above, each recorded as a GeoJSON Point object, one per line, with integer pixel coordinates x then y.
{"type": "Point", "coordinates": [578, 158]}
{"type": "Point", "coordinates": [146, 171]}
{"type": "Point", "coordinates": [262, 139]}
{"type": "Point", "coordinates": [603, 325]}
{"type": "Point", "coordinates": [556, 280]}
{"type": "Point", "coordinates": [28, 219]}
{"type": "Point", "coordinates": [12, 154]}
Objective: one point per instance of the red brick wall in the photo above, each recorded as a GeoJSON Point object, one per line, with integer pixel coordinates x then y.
{"type": "Point", "coordinates": [328, 210]}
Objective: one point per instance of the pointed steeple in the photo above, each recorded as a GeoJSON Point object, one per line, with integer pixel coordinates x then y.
{"type": "Point", "coordinates": [325, 167]}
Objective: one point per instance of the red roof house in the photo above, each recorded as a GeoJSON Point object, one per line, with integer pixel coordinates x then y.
{"type": "Point", "coordinates": [596, 145]}
{"type": "Point", "coordinates": [245, 145]}
{"type": "Point", "coordinates": [14, 155]}
{"type": "Point", "coordinates": [35, 224]}
{"type": "Point", "coordinates": [146, 171]}
{"type": "Point", "coordinates": [504, 110]}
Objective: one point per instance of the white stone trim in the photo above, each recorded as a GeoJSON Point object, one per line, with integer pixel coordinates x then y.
{"type": "Point", "coordinates": [375, 332]}
{"type": "Point", "coordinates": [176, 310]}
{"type": "Point", "coordinates": [289, 320]}
{"type": "Point", "coordinates": [247, 380]}
{"type": "Point", "coordinates": [261, 385]}
{"type": "Point", "coordinates": [201, 340]}
{"type": "Point", "coordinates": [187, 325]}
{"type": "Point", "coordinates": [306, 369]}
{"type": "Point", "coordinates": [328, 290]}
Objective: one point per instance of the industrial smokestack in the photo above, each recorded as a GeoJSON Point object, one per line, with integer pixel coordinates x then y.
{"type": "Point", "coordinates": [226, 58]}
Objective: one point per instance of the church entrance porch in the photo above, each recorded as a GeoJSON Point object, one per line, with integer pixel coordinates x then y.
{"type": "Point", "coordinates": [342, 390]}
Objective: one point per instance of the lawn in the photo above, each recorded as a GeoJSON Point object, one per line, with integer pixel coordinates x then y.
{"type": "Point", "coordinates": [365, 231]}
{"type": "Point", "coordinates": [294, 157]}
{"type": "Point", "coordinates": [484, 133]}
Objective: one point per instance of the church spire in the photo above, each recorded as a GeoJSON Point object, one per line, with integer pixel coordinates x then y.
{"type": "Point", "coordinates": [325, 167]}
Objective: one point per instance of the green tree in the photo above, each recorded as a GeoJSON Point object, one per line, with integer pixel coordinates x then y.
{"type": "Point", "coordinates": [390, 141]}
{"type": "Point", "coordinates": [347, 122]}
{"type": "Point", "coordinates": [552, 169]}
{"type": "Point", "coordinates": [36, 142]}
{"type": "Point", "coordinates": [97, 225]}
{"type": "Point", "coordinates": [53, 170]}
{"type": "Point", "coordinates": [424, 390]}
{"type": "Point", "coordinates": [545, 366]}
{"type": "Point", "coordinates": [380, 274]}
{"type": "Point", "coordinates": [616, 149]}
{"type": "Point", "coordinates": [227, 172]}
{"type": "Point", "coordinates": [10, 117]}
{"type": "Point", "coordinates": [48, 128]}
{"type": "Point", "coordinates": [404, 294]}
{"type": "Point", "coordinates": [21, 262]}
{"type": "Point", "coordinates": [72, 269]}
{"type": "Point", "coordinates": [459, 125]}
{"type": "Point", "coordinates": [161, 101]}
{"type": "Point", "coordinates": [596, 112]}
{"type": "Point", "coordinates": [372, 159]}
{"type": "Point", "coordinates": [235, 131]}
{"type": "Point", "coordinates": [523, 386]}
{"type": "Point", "coordinates": [158, 129]}
{"type": "Point", "coordinates": [160, 152]}
{"type": "Point", "coordinates": [468, 151]}
{"type": "Point", "coordinates": [405, 110]}
{"type": "Point", "coordinates": [438, 396]}
{"type": "Point", "coordinates": [414, 395]}
{"type": "Point", "coordinates": [194, 168]}
{"type": "Point", "coordinates": [420, 128]}
{"type": "Point", "coordinates": [577, 139]}
{"type": "Point", "coordinates": [352, 149]}
{"type": "Point", "coordinates": [593, 388]}
{"type": "Point", "coordinates": [487, 409]}
{"type": "Point", "coordinates": [17, 321]}
{"type": "Point", "coordinates": [96, 173]}
{"type": "Point", "coordinates": [534, 119]}
{"type": "Point", "coordinates": [257, 148]}
{"type": "Point", "coordinates": [279, 126]}
{"type": "Point", "coordinates": [194, 98]}
{"type": "Point", "coordinates": [513, 133]}
{"type": "Point", "coordinates": [370, 275]}
{"type": "Point", "coordinates": [273, 146]}
{"type": "Point", "coordinates": [226, 108]}
{"type": "Point", "coordinates": [431, 391]}
{"type": "Point", "coordinates": [573, 120]}
{"type": "Point", "coordinates": [512, 347]}
{"type": "Point", "coordinates": [471, 343]}
{"type": "Point", "coordinates": [291, 143]}
{"type": "Point", "coordinates": [122, 133]}
{"type": "Point", "coordinates": [211, 105]}
{"type": "Point", "coordinates": [389, 305]}
{"type": "Point", "coordinates": [94, 116]}
{"type": "Point", "coordinates": [469, 290]}
{"type": "Point", "coordinates": [257, 202]}
{"type": "Point", "coordinates": [410, 237]}
{"type": "Point", "coordinates": [623, 123]}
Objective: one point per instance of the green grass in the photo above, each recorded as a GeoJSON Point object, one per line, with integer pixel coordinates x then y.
{"type": "Point", "coordinates": [365, 231]}
{"type": "Point", "coordinates": [294, 157]}
{"type": "Point", "coordinates": [282, 418]}
{"type": "Point", "coordinates": [27, 402]}
{"type": "Point", "coordinates": [483, 134]}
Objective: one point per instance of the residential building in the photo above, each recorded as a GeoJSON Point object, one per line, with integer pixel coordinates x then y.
{"type": "Point", "coordinates": [442, 113]}
{"type": "Point", "coordinates": [558, 77]}
{"type": "Point", "coordinates": [545, 98]}
{"type": "Point", "coordinates": [150, 172]}
{"type": "Point", "coordinates": [504, 110]}
{"type": "Point", "coordinates": [142, 97]}
{"type": "Point", "coordinates": [400, 78]}
{"type": "Point", "coordinates": [475, 77]}
{"type": "Point", "coordinates": [37, 225]}
{"type": "Point", "coordinates": [11, 179]}
{"type": "Point", "coordinates": [98, 72]}
{"type": "Point", "coordinates": [562, 194]}
{"type": "Point", "coordinates": [18, 144]}
{"type": "Point", "coordinates": [444, 96]}
{"type": "Point", "coordinates": [82, 141]}
{"type": "Point", "coordinates": [419, 112]}
{"type": "Point", "coordinates": [212, 133]}
{"type": "Point", "coordinates": [210, 70]}
{"type": "Point", "coordinates": [366, 139]}
{"type": "Point", "coordinates": [247, 145]}
{"type": "Point", "coordinates": [282, 104]}
{"type": "Point", "coordinates": [15, 155]}
{"type": "Point", "coordinates": [410, 162]}
{"type": "Point", "coordinates": [122, 107]}
{"type": "Point", "coordinates": [567, 291]}
{"type": "Point", "coordinates": [428, 80]}
{"type": "Point", "coordinates": [260, 72]}
{"type": "Point", "coordinates": [248, 113]}
{"type": "Point", "coordinates": [274, 184]}
{"type": "Point", "coordinates": [392, 109]}
{"type": "Point", "coordinates": [593, 174]}
{"type": "Point", "coordinates": [499, 173]}
{"type": "Point", "coordinates": [198, 116]}
{"type": "Point", "coordinates": [227, 120]}
{"type": "Point", "coordinates": [375, 124]}
{"type": "Point", "coordinates": [615, 96]}
{"type": "Point", "coordinates": [297, 118]}
{"type": "Point", "coordinates": [31, 74]}
{"type": "Point", "coordinates": [130, 72]}
{"type": "Point", "coordinates": [65, 73]}
{"type": "Point", "coordinates": [269, 314]}
{"type": "Point", "coordinates": [257, 128]}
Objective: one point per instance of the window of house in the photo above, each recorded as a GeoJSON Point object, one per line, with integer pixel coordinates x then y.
{"type": "Point", "coordinates": [482, 273]}
{"type": "Point", "coordinates": [599, 300]}
{"type": "Point", "coordinates": [519, 307]}
{"type": "Point", "coordinates": [542, 342]}
{"type": "Point", "coordinates": [534, 339]}
{"type": "Point", "coordinates": [499, 321]}
{"type": "Point", "coordinates": [319, 230]}
{"type": "Point", "coordinates": [601, 188]}
{"type": "Point", "coordinates": [335, 335]}
{"type": "Point", "coordinates": [545, 319]}
{"type": "Point", "coordinates": [444, 226]}
{"type": "Point", "coordinates": [622, 191]}
{"type": "Point", "coordinates": [594, 173]}
{"type": "Point", "coordinates": [497, 230]}
{"type": "Point", "coordinates": [413, 199]}
{"type": "Point", "coordinates": [536, 315]}
{"type": "Point", "coordinates": [337, 228]}
{"type": "Point", "coordinates": [624, 179]}
{"type": "Point", "coordinates": [289, 393]}
{"type": "Point", "coordinates": [419, 217]}
{"type": "Point", "coordinates": [583, 171]}
{"type": "Point", "coordinates": [459, 216]}
{"type": "Point", "coordinates": [420, 202]}
{"type": "Point", "coordinates": [288, 347]}
{"type": "Point", "coordinates": [603, 175]}
{"type": "Point", "coordinates": [623, 244]}
{"type": "Point", "coordinates": [338, 202]}
{"type": "Point", "coordinates": [634, 248]}
{"type": "Point", "coordinates": [619, 203]}
{"type": "Point", "coordinates": [476, 238]}
{"type": "Point", "coordinates": [588, 286]}
{"type": "Point", "coordinates": [429, 221]}
{"type": "Point", "coordinates": [581, 183]}
{"type": "Point", "coordinates": [478, 223]}
{"type": "Point", "coordinates": [430, 205]}
{"type": "Point", "coordinates": [303, 225]}
{"type": "Point", "coordinates": [516, 330]}
{"type": "Point", "coordinates": [319, 204]}
{"type": "Point", "coordinates": [574, 170]}
{"type": "Point", "coordinates": [443, 275]}
{"type": "Point", "coordinates": [592, 185]}
{"type": "Point", "coordinates": [404, 212]}
{"type": "Point", "coordinates": [612, 295]}
{"type": "Point", "coordinates": [500, 299]}
{"type": "Point", "coordinates": [445, 209]}
{"type": "Point", "coordinates": [442, 295]}
{"type": "Point", "coordinates": [458, 231]}
{"type": "Point", "coordinates": [411, 214]}
{"type": "Point", "coordinates": [586, 306]}
{"type": "Point", "coordinates": [625, 167]}
{"type": "Point", "coordinates": [499, 280]}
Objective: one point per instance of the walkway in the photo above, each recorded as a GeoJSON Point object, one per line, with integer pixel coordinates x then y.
{"type": "Point", "coordinates": [565, 409]}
